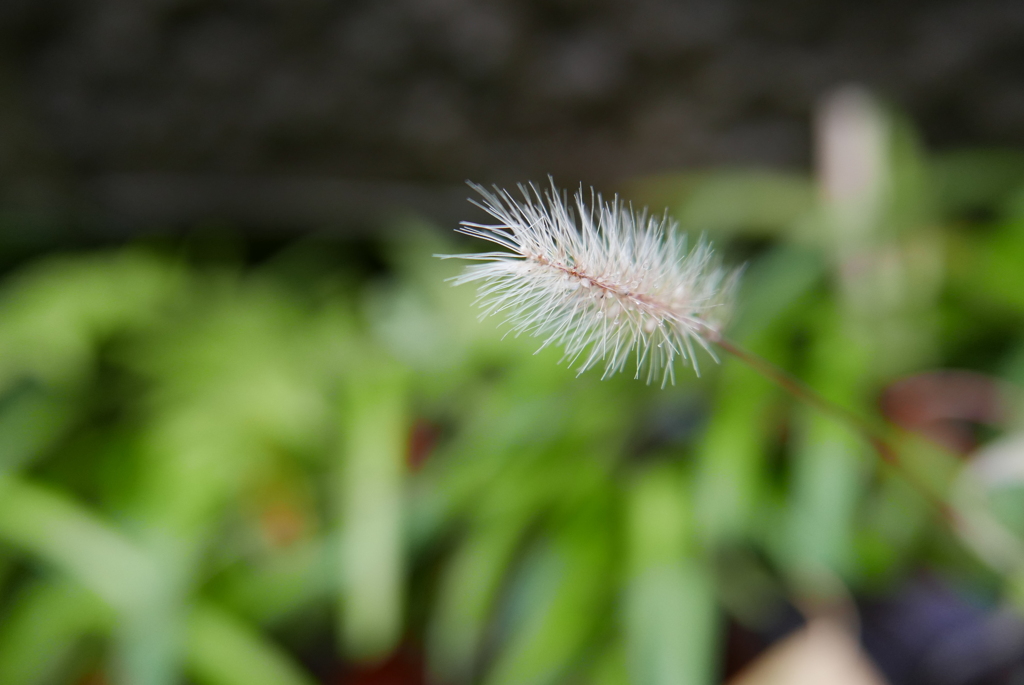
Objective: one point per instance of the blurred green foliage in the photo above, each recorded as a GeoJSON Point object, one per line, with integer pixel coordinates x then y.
{"type": "Point", "coordinates": [206, 469]}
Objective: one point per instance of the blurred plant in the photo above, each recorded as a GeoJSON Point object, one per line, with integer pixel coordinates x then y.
{"type": "Point", "coordinates": [291, 473]}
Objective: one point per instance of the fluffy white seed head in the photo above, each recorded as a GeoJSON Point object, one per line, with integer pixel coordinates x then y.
{"type": "Point", "coordinates": [611, 286]}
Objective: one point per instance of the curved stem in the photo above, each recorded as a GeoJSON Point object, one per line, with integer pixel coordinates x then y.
{"type": "Point", "coordinates": [997, 546]}
{"type": "Point", "coordinates": [875, 436]}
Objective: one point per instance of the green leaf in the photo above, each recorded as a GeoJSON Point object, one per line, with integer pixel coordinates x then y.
{"type": "Point", "coordinates": [369, 491]}
{"type": "Point", "coordinates": [558, 603]}
{"type": "Point", "coordinates": [55, 313]}
{"type": "Point", "coordinates": [731, 454]}
{"type": "Point", "coordinates": [56, 529]}
{"type": "Point", "coordinates": [283, 583]}
{"type": "Point", "coordinates": [730, 201]}
{"type": "Point", "coordinates": [670, 614]}
{"type": "Point", "coordinates": [31, 420]}
{"type": "Point", "coordinates": [222, 650]}
{"type": "Point", "coordinates": [973, 180]}
{"type": "Point", "coordinates": [466, 597]}
{"type": "Point", "coordinates": [831, 461]}
{"type": "Point", "coordinates": [43, 626]}
{"type": "Point", "coordinates": [772, 286]}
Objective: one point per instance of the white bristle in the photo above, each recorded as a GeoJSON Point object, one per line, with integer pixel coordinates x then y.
{"type": "Point", "coordinates": [598, 279]}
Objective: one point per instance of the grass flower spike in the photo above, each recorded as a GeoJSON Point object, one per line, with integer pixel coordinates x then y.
{"type": "Point", "coordinates": [610, 285]}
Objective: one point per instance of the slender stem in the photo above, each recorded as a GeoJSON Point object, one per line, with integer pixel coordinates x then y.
{"type": "Point", "coordinates": [800, 390]}
{"type": "Point", "coordinates": [997, 546]}
{"type": "Point", "coordinates": [804, 392]}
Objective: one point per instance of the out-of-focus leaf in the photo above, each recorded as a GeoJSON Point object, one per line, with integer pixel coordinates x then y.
{"type": "Point", "coordinates": [752, 202]}
{"type": "Point", "coordinates": [223, 650]}
{"type": "Point", "coordinates": [671, 626]}
{"type": "Point", "coordinates": [65, 534]}
{"type": "Point", "coordinates": [149, 638]}
{"type": "Point", "coordinates": [56, 529]}
{"type": "Point", "coordinates": [730, 457]}
{"type": "Point", "coordinates": [558, 603]}
{"type": "Point", "coordinates": [53, 316]}
{"type": "Point", "coordinates": [933, 467]}
{"type": "Point", "coordinates": [424, 320]}
{"type": "Point", "coordinates": [911, 201]}
{"type": "Point", "coordinates": [830, 466]}
{"type": "Point", "coordinates": [610, 666]}
{"type": "Point", "coordinates": [973, 180]}
{"type": "Point", "coordinates": [896, 516]}
{"type": "Point", "coordinates": [466, 597]}
{"type": "Point", "coordinates": [520, 425]}
{"type": "Point", "coordinates": [42, 628]}
{"type": "Point", "coordinates": [30, 420]}
{"type": "Point", "coordinates": [670, 615]}
{"type": "Point", "coordinates": [992, 269]}
{"type": "Point", "coordinates": [285, 582]}
{"type": "Point", "coordinates": [546, 472]}
{"type": "Point", "coordinates": [375, 428]}
{"type": "Point", "coordinates": [730, 476]}
{"type": "Point", "coordinates": [772, 285]}
{"type": "Point", "coordinates": [1013, 371]}
{"type": "Point", "coordinates": [829, 477]}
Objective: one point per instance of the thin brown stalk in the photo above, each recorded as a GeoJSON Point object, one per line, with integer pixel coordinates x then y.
{"type": "Point", "coordinates": [875, 436]}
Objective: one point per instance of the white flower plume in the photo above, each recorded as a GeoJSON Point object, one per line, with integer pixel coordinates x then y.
{"type": "Point", "coordinates": [604, 282]}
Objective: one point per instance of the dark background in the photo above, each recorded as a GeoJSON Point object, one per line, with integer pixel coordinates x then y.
{"type": "Point", "coordinates": [122, 115]}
